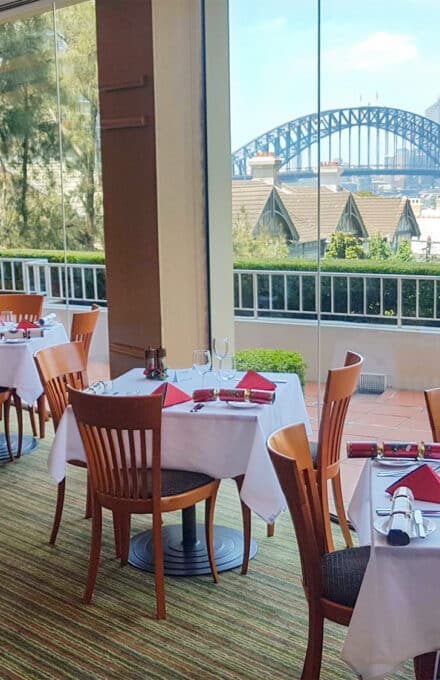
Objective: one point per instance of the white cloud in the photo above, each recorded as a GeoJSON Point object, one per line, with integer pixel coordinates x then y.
{"type": "Point", "coordinates": [376, 52]}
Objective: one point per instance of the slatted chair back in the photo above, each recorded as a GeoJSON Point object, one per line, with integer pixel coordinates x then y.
{"type": "Point", "coordinates": [83, 327]}
{"type": "Point", "coordinates": [24, 306]}
{"type": "Point", "coordinates": [290, 454]}
{"type": "Point", "coordinates": [432, 400]}
{"type": "Point", "coordinates": [116, 432]}
{"type": "Point", "coordinates": [59, 367]}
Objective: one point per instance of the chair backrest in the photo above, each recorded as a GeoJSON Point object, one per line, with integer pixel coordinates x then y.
{"type": "Point", "coordinates": [432, 400]}
{"type": "Point", "coordinates": [23, 305]}
{"type": "Point", "coordinates": [83, 327]}
{"type": "Point", "coordinates": [121, 437]}
{"type": "Point", "coordinates": [340, 386]}
{"type": "Point", "coordinates": [290, 453]}
{"type": "Point", "coordinates": [59, 367]}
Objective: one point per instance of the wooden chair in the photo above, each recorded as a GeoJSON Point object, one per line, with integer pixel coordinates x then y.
{"type": "Point", "coordinates": [59, 367]}
{"type": "Point", "coordinates": [340, 386]}
{"type": "Point", "coordinates": [432, 400]}
{"type": "Point", "coordinates": [331, 580]}
{"type": "Point", "coordinates": [115, 432]}
{"type": "Point", "coordinates": [6, 396]}
{"type": "Point", "coordinates": [24, 306]}
{"type": "Point", "coordinates": [83, 327]}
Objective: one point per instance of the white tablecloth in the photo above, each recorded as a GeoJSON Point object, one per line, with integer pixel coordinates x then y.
{"type": "Point", "coordinates": [17, 365]}
{"type": "Point", "coordinates": [397, 614]}
{"type": "Point", "coordinates": [219, 440]}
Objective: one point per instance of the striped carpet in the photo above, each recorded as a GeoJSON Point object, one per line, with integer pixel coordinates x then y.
{"type": "Point", "coordinates": [251, 627]}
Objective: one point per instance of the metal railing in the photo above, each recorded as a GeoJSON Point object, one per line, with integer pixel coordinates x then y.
{"type": "Point", "coordinates": [71, 282]}
{"type": "Point", "coordinates": [386, 299]}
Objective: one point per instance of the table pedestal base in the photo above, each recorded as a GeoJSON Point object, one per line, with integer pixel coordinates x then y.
{"type": "Point", "coordinates": [191, 559]}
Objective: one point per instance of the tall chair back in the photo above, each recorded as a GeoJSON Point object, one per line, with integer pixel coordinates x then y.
{"type": "Point", "coordinates": [60, 366]}
{"type": "Point", "coordinates": [432, 400]}
{"type": "Point", "coordinates": [83, 327]}
{"type": "Point", "coordinates": [24, 306]}
{"type": "Point", "coordinates": [340, 385]}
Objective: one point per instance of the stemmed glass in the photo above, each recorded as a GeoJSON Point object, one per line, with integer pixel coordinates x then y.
{"type": "Point", "coordinates": [202, 362]}
{"type": "Point", "coordinates": [219, 355]}
{"type": "Point", "coordinates": [229, 370]}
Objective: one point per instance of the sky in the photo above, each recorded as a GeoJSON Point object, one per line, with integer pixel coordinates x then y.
{"type": "Point", "coordinates": [378, 52]}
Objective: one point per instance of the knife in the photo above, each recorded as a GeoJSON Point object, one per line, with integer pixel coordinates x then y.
{"type": "Point", "coordinates": [385, 512]}
{"type": "Point", "coordinates": [418, 519]}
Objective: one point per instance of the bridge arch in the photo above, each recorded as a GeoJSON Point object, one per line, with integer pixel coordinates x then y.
{"type": "Point", "coordinates": [287, 141]}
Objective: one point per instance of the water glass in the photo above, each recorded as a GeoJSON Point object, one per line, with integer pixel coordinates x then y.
{"type": "Point", "coordinates": [228, 370]}
{"type": "Point", "coordinates": [202, 362]}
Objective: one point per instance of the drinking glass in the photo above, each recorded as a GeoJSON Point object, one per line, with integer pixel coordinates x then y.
{"type": "Point", "coordinates": [202, 362]}
{"type": "Point", "coordinates": [228, 371]}
{"type": "Point", "coordinates": [220, 353]}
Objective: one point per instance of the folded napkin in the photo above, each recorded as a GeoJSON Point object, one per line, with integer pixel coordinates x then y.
{"type": "Point", "coordinates": [254, 381]}
{"type": "Point", "coordinates": [173, 395]}
{"type": "Point", "coordinates": [25, 325]}
{"type": "Point", "coordinates": [423, 482]}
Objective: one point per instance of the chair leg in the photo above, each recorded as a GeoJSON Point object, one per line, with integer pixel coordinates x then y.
{"type": "Point", "coordinates": [95, 551]}
{"type": "Point", "coordinates": [32, 420]}
{"type": "Point", "coordinates": [247, 527]}
{"type": "Point", "coordinates": [159, 566]}
{"type": "Point", "coordinates": [42, 415]}
{"type": "Point", "coordinates": [88, 512]}
{"type": "Point", "coordinates": [58, 511]}
{"type": "Point", "coordinates": [323, 491]}
{"type": "Point", "coordinates": [7, 409]}
{"type": "Point", "coordinates": [17, 403]}
{"type": "Point", "coordinates": [340, 509]}
{"type": "Point", "coordinates": [209, 530]}
{"type": "Point", "coordinates": [312, 662]}
{"type": "Point", "coordinates": [270, 530]}
{"type": "Point", "coordinates": [124, 527]}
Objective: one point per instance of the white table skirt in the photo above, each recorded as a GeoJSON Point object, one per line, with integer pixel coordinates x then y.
{"type": "Point", "coordinates": [396, 616]}
{"type": "Point", "coordinates": [17, 365]}
{"type": "Point", "coordinates": [218, 440]}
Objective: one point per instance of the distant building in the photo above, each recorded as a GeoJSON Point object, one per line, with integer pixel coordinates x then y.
{"type": "Point", "coordinates": [390, 216]}
{"type": "Point", "coordinates": [433, 112]}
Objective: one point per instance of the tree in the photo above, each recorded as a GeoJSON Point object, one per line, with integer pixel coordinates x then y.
{"type": "Point", "coordinates": [344, 246]}
{"type": "Point", "coordinates": [246, 246]}
{"type": "Point", "coordinates": [404, 252]}
{"type": "Point", "coordinates": [379, 249]}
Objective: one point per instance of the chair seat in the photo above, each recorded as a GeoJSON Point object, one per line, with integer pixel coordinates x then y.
{"type": "Point", "coordinates": [175, 482]}
{"type": "Point", "coordinates": [342, 572]}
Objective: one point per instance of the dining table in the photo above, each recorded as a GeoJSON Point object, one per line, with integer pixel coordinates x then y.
{"type": "Point", "coordinates": [17, 366]}
{"type": "Point", "coordinates": [396, 616]}
{"type": "Point", "coordinates": [223, 440]}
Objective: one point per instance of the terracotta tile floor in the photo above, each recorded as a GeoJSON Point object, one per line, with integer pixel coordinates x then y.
{"type": "Point", "coordinates": [395, 415]}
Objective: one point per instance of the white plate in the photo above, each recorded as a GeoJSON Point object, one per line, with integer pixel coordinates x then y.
{"type": "Point", "coordinates": [395, 462]}
{"type": "Point", "coordinates": [381, 526]}
{"type": "Point", "coordinates": [241, 404]}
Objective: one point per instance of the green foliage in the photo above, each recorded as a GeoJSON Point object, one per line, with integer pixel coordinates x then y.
{"type": "Point", "coordinates": [379, 249]}
{"type": "Point", "coordinates": [350, 266]}
{"type": "Point", "coordinates": [344, 245]}
{"type": "Point", "coordinates": [246, 245]}
{"type": "Point", "coordinates": [404, 252]}
{"type": "Point", "coordinates": [272, 360]}
{"type": "Point", "coordinates": [78, 256]}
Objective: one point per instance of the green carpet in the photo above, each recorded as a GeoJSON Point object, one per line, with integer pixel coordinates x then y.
{"type": "Point", "coordinates": [247, 627]}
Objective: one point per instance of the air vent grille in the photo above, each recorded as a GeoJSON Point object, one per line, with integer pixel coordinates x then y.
{"type": "Point", "coordinates": [372, 383]}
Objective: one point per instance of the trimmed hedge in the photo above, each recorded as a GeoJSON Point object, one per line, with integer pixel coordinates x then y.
{"type": "Point", "coordinates": [73, 256]}
{"type": "Point", "coordinates": [355, 266]}
{"type": "Point", "coordinates": [271, 360]}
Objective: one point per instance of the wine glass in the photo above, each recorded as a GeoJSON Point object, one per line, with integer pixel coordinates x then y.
{"type": "Point", "coordinates": [229, 370]}
{"type": "Point", "coordinates": [220, 355]}
{"type": "Point", "coordinates": [202, 362]}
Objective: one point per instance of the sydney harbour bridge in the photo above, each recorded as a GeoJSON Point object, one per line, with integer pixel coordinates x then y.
{"type": "Point", "coordinates": [365, 140]}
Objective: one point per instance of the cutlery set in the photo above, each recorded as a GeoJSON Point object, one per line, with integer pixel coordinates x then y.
{"type": "Point", "coordinates": [402, 473]}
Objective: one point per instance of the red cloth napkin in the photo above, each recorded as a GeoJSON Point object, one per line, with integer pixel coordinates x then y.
{"type": "Point", "coordinates": [24, 325]}
{"type": "Point", "coordinates": [254, 381]}
{"type": "Point", "coordinates": [423, 482]}
{"type": "Point", "coordinates": [173, 395]}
